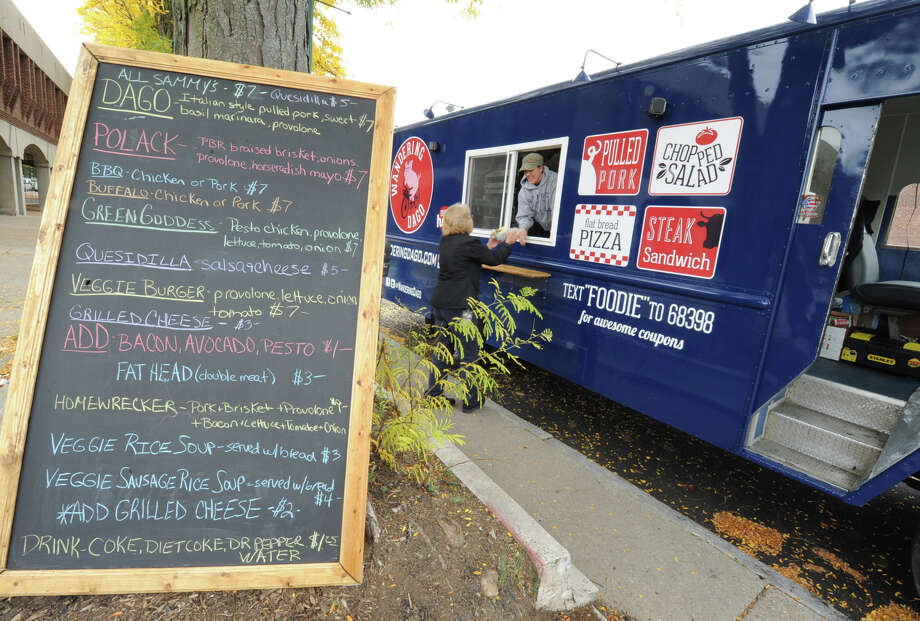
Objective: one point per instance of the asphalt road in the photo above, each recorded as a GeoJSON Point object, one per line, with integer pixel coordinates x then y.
{"type": "Point", "coordinates": [855, 558]}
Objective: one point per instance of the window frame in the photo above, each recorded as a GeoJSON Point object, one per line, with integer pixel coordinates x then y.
{"type": "Point", "coordinates": [822, 137]}
{"type": "Point", "coordinates": [910, 245]}
{"type": "Point", "coordinates": [511, 152]}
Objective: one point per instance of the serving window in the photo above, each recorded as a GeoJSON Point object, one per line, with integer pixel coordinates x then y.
{"type": "Point", "coordinates": [492, 184]}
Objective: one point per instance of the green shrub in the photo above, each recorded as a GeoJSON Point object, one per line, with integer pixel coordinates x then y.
{"type": "Point", "coordinates": [406, 420]}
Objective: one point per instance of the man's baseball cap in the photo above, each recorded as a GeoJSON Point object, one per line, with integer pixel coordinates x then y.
{"type": "Point", "coordinates": [531, 161]}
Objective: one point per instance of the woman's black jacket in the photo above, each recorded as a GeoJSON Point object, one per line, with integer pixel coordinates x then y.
{"type": "Point", "coordinates": [461, 258]}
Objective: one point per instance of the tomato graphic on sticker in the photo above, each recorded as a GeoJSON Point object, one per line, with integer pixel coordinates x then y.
{"type": "Point", "coordinates": [706, 136]}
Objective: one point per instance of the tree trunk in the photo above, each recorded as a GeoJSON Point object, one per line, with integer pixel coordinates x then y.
{"type": "Point", "coordinates": [267, 33]}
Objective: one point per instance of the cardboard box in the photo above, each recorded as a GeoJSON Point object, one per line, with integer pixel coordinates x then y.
{"type": "Point", "coordinates": [832, 344]}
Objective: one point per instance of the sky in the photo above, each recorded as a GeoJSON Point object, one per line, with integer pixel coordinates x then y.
{"type": "Point", "coordinates": [429, 52]}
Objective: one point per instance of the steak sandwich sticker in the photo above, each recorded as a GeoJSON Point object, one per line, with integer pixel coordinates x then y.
{"type": "Point", "coordinates": [681, 240]}
{"type": "Point", "coordinates": [696, 159]}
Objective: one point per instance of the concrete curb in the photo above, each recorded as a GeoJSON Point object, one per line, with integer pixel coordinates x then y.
{"type": "Point", "coordinates": [562, 585]}
{"type": "Point", "coordinates": [778, 580]}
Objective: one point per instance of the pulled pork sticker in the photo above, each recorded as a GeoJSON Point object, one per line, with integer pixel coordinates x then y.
{"type": "Point", "coordinates": [681, 240]}
{"type": "Point", "coordinates": [612, 163]}
{"type": "Point", "coordinates": [696, 159]}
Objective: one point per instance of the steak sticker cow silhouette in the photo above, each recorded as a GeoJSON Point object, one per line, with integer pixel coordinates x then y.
{"type": "Point", "coordinates": [713, 226]}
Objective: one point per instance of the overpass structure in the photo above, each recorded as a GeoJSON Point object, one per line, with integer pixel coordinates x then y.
{"type": "Point", "coordinates": [33, 95]}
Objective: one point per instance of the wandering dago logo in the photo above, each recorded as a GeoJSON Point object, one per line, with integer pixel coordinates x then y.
{"type": "Point", "coordinates": [411, 184]}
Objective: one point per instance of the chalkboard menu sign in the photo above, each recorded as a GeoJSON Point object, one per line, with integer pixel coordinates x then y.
{"type": "Point", "coordinates": [191, 398]}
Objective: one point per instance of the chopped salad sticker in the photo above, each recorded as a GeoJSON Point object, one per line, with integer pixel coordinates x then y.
{"type": "Point", "coordinates": [696, 159]}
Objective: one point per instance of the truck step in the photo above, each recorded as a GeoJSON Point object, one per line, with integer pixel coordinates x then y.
{"type": "Point", "coordinates": [834, 441]}
{"type": "Point", "coordinates": [857, 406]}
{"type": "Point", "coordinates": [805, 464]}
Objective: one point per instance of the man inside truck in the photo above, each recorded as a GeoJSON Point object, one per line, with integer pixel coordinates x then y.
{"type": "Point", "coordinates": [535, 199]}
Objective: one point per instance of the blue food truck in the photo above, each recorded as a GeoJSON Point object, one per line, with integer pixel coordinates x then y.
{"type": "Point", "coordinates": [734, 243]}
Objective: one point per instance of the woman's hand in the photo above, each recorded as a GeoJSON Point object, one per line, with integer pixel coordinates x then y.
{"type": "Point", "coordinates": [493, 241]}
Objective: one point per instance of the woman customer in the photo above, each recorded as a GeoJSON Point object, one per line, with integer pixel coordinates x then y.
{"type": "Point", "coordinates": [461, 258]}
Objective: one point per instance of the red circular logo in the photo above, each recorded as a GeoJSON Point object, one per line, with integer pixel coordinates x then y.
{"type": "Point", "coordinates": [411, 183]}
{"type": "Point", "coordinates": [441, 216]}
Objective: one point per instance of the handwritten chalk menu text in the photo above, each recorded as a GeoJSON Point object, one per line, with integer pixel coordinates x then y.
{"type": "Point", "coordinates": [194, 392]}
{"type": "Point", "coordinates": [194, 389]}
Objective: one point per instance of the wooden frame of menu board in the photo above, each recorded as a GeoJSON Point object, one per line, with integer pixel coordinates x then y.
{"type": "Point", "coordinates": [69, 561]}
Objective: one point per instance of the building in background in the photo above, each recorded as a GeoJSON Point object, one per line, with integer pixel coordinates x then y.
{"type": "Point", "coordinates": [33, 95]}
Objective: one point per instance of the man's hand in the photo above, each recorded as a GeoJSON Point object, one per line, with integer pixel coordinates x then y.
{"type": "Point", "coordinates": [520, 236]}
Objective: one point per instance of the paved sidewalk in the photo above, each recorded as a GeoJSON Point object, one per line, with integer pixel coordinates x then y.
{"type": "Point", "coordinates": [18, 235]}
{"type": "Point", "coordinates": [646, 559]}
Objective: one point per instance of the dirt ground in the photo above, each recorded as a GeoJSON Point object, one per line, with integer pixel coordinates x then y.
{"type": "Point", "coordinates": [438, 550]}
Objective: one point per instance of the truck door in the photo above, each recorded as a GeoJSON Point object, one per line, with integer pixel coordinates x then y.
{"type": "Point", "coordinates": [833, 179]}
